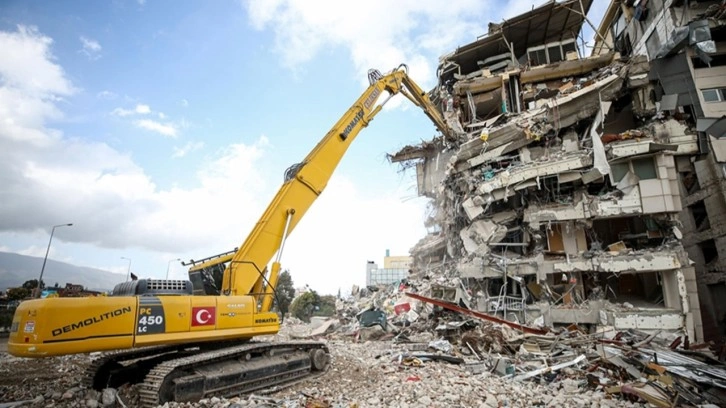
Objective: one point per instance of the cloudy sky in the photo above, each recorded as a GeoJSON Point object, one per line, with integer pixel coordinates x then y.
{"type": "Point", "coordinates": [161, 130]}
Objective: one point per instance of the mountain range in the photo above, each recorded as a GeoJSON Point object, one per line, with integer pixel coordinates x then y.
{"type": "Point", "coordinates": [15, 269]}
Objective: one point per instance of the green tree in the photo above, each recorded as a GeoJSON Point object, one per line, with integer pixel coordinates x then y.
{"type": "Point", "coordinates": [285, 292]}
{"type": "Point", "coordinates": [305, 305]}
{"type": "Point", "coordinates": [32, 284]}
{"type": "Point", "coordinates": [326, 306]}
{"type": "Point", "coordinates": [18, 293]}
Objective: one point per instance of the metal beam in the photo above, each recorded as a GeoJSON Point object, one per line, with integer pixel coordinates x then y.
{"type": "Point", "coordinates": [479, 315]}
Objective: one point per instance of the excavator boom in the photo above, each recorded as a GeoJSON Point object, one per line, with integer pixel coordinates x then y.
{"type": "Point", "coordinates": [305, 181]}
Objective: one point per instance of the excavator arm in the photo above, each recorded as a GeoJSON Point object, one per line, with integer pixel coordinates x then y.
{"type": "Point", "coordinates": [304, 182]}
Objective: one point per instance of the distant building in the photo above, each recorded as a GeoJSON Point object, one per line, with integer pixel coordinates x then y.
{"type": "Point", "coordinates": [395, 268]}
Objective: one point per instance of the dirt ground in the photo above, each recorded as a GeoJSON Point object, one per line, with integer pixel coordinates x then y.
{"type": "Point", "coordinates": [25, 379]}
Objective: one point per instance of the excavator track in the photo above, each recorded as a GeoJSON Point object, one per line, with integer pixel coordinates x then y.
{"type": "Point", "coordinates": [232, 371]}
{"type": "Point", "coordinates": [193, 371]}
{"type": "Point", "coordinates": [108, 370]}
{"type": "Point", "coordinates": [130, 366]}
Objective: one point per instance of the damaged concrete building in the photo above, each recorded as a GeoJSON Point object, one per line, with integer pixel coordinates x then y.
{"type": "Point", "coordinates": [685, 43]}
{"type": "Point", "coordinates": [562, 200]}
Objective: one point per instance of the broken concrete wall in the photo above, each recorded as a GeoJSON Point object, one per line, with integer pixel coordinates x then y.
{"type": "Point", "coordinates": [430, 172]}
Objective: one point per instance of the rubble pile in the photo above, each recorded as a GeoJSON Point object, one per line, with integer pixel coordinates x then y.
{"type": "Point", "coordinates": [569, 365]}
{"type": "Point", "coordinates": [389, 348]}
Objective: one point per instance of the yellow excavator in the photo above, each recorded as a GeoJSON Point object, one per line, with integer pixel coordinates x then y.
{"type": "Point", "coordinates": [184, 340]}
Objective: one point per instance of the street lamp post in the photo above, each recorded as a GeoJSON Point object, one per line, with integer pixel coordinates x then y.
{"type": "Point", "coordinates": [42, 269]}
{"type": "Point", "coordinates": [169, 266]}
{"type": "Point", "coordinates": [128, 272]}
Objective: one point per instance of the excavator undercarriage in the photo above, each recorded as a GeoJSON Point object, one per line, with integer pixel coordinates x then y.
{"type": "Point", "coordinates": [191, 372]}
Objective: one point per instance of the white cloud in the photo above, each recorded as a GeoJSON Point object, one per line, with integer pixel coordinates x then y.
{"type": "Point", "coordinates": [91, 48]}
{"type": "Point", "coordinates": [36, 251]}
{"type": "Point", "coordinates": [139, 109]}
{"type": "Point", "coordinates": [184, 103]}
{"type": "Point", "coordinates": [376, 34]}
{"type": "Point", "coordinates": [143, 109]}
{"type": "Point", "coordinates": [166, 129]}
{"type": "Point", "coordinates": [108, 95]}
{"type": "Point", "coordinates": [186, 149]}
{"type": "Point", "coordinates": [31, 84]}
{"type": "Point", "coordinates": [26, 54]}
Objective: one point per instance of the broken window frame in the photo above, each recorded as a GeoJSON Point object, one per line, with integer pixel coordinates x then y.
{"type": "Point", "coordinates": [709, 251]}
{"type": "Point", "coordinates": [616, 169]}
{"type": "Point", "coordinates": [534, 57]}
{"type": "Point", "coordinates": [700, 215]}
{"type": "Point", "coordinates": [717, 60]}
{"type": "Point", "coordinates": [632, 168]}
{"type": "Point", "coordinates": [719, 93]}
{"type": "Point", "coordinates": [636, 164]}
{"type": "Point", "coordinates": [563, 47]}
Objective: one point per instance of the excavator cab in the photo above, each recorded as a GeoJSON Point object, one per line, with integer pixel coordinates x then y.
{"type": "Point", "coordinates": [208, 281]}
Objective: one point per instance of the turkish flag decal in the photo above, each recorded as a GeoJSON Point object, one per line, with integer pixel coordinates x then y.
{"type": "Point", "coordinates": [203, 316]}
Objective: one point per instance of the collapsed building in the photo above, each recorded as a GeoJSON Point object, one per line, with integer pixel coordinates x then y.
{"type": "Point", "coordinates": [562, 199]}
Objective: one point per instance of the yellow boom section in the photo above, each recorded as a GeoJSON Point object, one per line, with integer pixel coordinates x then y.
{"type": "Point", "coordinates": [305, 181]}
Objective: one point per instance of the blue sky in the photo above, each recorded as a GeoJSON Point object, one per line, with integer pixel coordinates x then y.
{"type": "Point", "coordinates": [162, 129]}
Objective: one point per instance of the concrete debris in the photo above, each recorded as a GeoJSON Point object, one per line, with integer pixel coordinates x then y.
{"type": "Point", "coordinates": [441, 345]}
{"type": "Point", "coordinates": [372, 317]}
{"type": "Point", "coordinates": [631, 364]}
